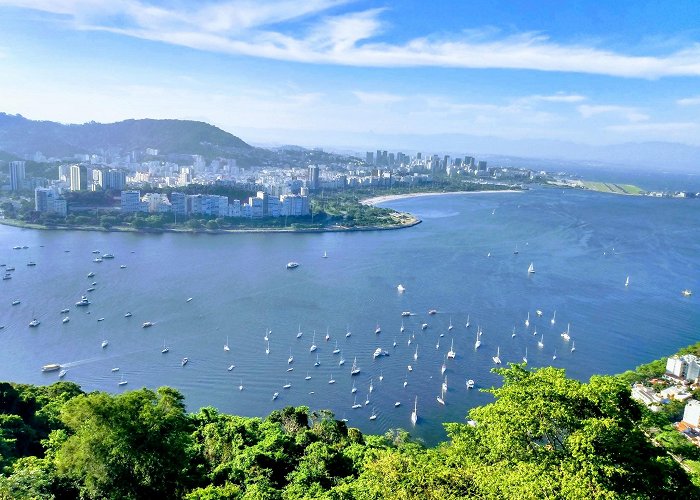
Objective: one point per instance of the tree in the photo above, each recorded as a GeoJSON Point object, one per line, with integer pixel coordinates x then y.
{"type": "Point", "coordinates": [129, 446]}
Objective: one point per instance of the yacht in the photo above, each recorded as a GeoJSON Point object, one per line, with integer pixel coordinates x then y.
{"type": "Point", "coordinates": [373, 416]}
{"type": "Point", "coordinates": [450, 327]}
{"type": "Point", "coordinates": [377, 352]}
{"type": "Point", "coordinates": [403, 328]}
{"type": "Point", "coordinates": [337, 349]}
{"type": "Point", "coordinates": [565, 335]}
{"type": "Point", "coordinates": [331, 380]}
{"type": "Point", "coordinates": [687, 292]}
{"type": "Point", "coordinates": [440, 398]}
{"type": "Point", "coordinates": [513, 334]}
{"type": "Point", "coordinates": [66, 319]}
{"type": "Point", "coordinates": [378, 329]}
{"type": "Point", "coordinates": [313, 347]}
{"type": "Point", "coordinates": [31, 263]}
{"type": "Point", "coordinates": [34, 322]}
{"type": "Point", "coordinates": [355, 370]}
{"type": "Point", "coordinates": [115, 369]}
{"type": "Point", "coordinates": [290, 359]}
{"type": "Point", "coordinates": [414, 413]}
{"type": "Point", "coordinates": [627, 281]}
{"type": "Point", "coordinates": [100, 319]}
{"type": "Point", "coordinates": [122, 381]}
{"type": "Point", "coordinates": [531, 269]}
{"type": "Point", "coordinates": [108, 256]}
{"type": "Point", "coordinates": [292, 265]}
{"type": "Point", "coordinates": [470, 384]}
{"type": "Point", "coordinates": [406, 313]}
{"type": "Point", "coordinates": [354, 389]}
{"type": "Point", "coordinates": [468, 324]}
{"type": "Point", "coordinates": [165, 348]}
{"type": "Point", "coordinates": [554, 318]}
{"type": "Point", "coordinates": [444, 366]}
{"type": "Point", "coordinates": [347, 332]}
{"type": "Point", "coordinates": [555, 355]}
{"type": "Point", "coordinates": [497, 357]}
{"type": "Point", "coordinates": [451, 353]}
{"type": "Point", "coordinates": [62, 373]}
{"type": "Point", "coordinates": [127, 315]}
{"type": "Point", "coordinates": [527, 320]}
{"type": "Point", "coordinates": [341, 361]}
{"type": "Point", "coordinates": [90, 274]}
{"type": "Point", "coordinates": [394, 341]}
{"type": "Point", "coordinates": [65, 311]}
{"type": "Point", "coordinates": [287, 385]}
{"type": "Point", "coordinates": [525, 357]}
{"type": "Point", "coordinates": [299, 333]}
{"type": "Point", "coordinates": [325, 254]}
{"type": "Point", "coordinates": [146, 324]}
{"type": "Point", "coordinates": [97, 259]}
{"type": "Point", "coordinates": [355, 404]}
{"type": "Point", "coordinates": [184, 361]}
{"type": "Point", "coordinates": [189, 299]}
{"type": "Point", "coordinates": [415, 354]}
{"type": "Point", "coordinates": [83, 301]}
{"type": "Point", "coordinates": [397, 404]}
{"type": "Point", "coordinates": [226, 347]}
{"type": "Point", "coordinates": [573, 346]}
{"type": "Point", "coordinates": [123, 266]}
{"type": "Point", "coordinates": [317, 362]}
{"type": "Point", "coordinates": [540, 343]}
{"type": "Point", "coordinates": [275, 396]}
{"type": "Point", "coordinates": [401, 288]}
{"type": "Point", "coordinates": [91, 289]}
{"type": "Point", "coordinates": [105, 343]}
{"type": "Point", "coordinates": [15, 302]}
{"type": "Point", "coordinates": [52, 367]}
{"type": "Point", "coordinates": [308, 377]}
{"type": "Point", "coordinates": [432, 311]}
{"type": "Point", "coordinates": [539, 313]}
{"type": "Point", "coordinates": [240, 387]}
{"type": "Point", "coordinates": [424, 326]}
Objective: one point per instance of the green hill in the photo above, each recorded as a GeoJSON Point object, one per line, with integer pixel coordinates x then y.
{"type": "Point", "coordinates": [20, 136]}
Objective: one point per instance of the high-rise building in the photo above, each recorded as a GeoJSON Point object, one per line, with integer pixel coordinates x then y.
{"type": "Point", "coordinates": [313, 181]}
{"type": "Point", "coordinates": [369, 158]}
{"type": "Point", "coordinates": [78, 178]}
{"type": "Point", "coordinates": [97, 180]}
{"type": "Point", "coordinates": [114, 179]}
{"type": "Point", "coordinates": [16, 175]}
{"type": "Point", "coordinates": [131, 202]}
{"type": "Point", "coordinates": [48, 200]}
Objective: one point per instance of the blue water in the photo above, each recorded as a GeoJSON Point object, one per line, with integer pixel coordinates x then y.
{"type": "Point", "coordinates": [583, 246]}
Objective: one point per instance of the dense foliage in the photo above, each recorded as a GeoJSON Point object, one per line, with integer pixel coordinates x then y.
{"type": "Point", "coordinates": [544, 436]}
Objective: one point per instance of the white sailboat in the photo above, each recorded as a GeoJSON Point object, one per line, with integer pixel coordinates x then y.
{"type": "Point", "coordinates": [354, 389]}
{"type": "Point", "coordinates": [513, 334]}
{"type": "Point", "coordinates": [450, 327]}
{"type": "Point", "coordinates": [267, 333]}
{"type": "Point", "coordinates": [525, 357]}
{"type": "Point", "coordinates": [317, 362]}
{"type": "Point", "coordinates": [347, 332]}
{"type": "Point", "coordinates": [378, 329]}
{"type": "Point", "coordinates": [337, 349]}
{"type": "Point", "coordinates": [341, 361]}
{"type": "Point", "coordinates": [331, 380]}
{"type": "Point", "coordinates": [308, 377]}
{"type": "Point", "coordinates": [240, 387]}
{"type": "Point", "coordinates": [122, 381]}
{"type": "Point", "coordinates": [415, 354]}
{"type": "Point", "coordinates": [451, 353]}
{"type": "Point", "coordinates": [444, 384]}
{"type": "Point", "coordinates": [470, 384]}
{"type": "Point", "coordinates": [355, 404]}
{"type": "Point", "coordinates": [325, 254]}
{"type": "Point", "coordinates": [267, 349]}
{"type": "Point", "coordinates": [373, 416]}
{"type": "Point", "coordinates": [165, 348]}
{"type": "Point", "coordinates": [441, 397]}
{"type": "Point", "coordinates": [540, 343]}
{"type": "Point", "coordinates": [400, 288]}
{"type": "Point", "coordinates": [437, 344]}
{"type": "Point", "coordinates": [468, 324]}
{"type": "Point", "coordinates": [573, 346]}
{"type": "Point", "coordinates": [328, 335]}
{"type": "Point", "coordinates": [367, 400]}
{"type": "Point", "coordinates": [226, 347]}
{"type": "Point", "coordinates": [414, 413]}
{"type": "Point", "coordinates": [554, 318]}
{"type": "Point", "coordinates": [555, 355]}
{"type": "Point", "coordinates": [531, 269]}
{"type": "Point", "coordinates": [287, 385]}
{"type": "Point", "coordinates": [402, 329]}
{"type": "Point", "coordinates": [444, 366]}
{"type": "Point", "coordinates": [566, 335]}
{"type": "Point", "coordinates": [627, 281]}
{"type": "Point", "coordinates": [290, 359]}
{"type": "Point", "coordinates": [299, 333]}
{"type": "Point", "coordinates": [371, 386]}
{"type": "Point", "coordinates": [527, 320]}
{"type": "Point", "coordinates": [394, 341]}
{"type": "Point", "coordinates": [405, 381]}
{"type": "Point", "coordinates": [477, 344]}
{"type": "Point", "coordinates": [355, 370]}
{"type": "Point", "coordinates": [313, 347]}
{"type": "Point", "coordinates": [497, 357]}
{"type": "Point", "coordinates": [381, 375]}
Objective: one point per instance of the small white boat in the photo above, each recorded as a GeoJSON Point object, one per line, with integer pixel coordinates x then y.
{"type": "Point", "coordinates": [15, 302]}
{"type": "Point", "coordinates": [405, 382]}
{"type": "Point", "coordinates": [122, 381]}
{"type": "Point", "coordinates": [394, 342]}
{"type": "Point", "coordinates": [123, 266]}
{"type": "Point", "coordinates": [325, 254]}
{"type": "Point", "coordinates": [440, 398]}
{"type": "Point", "coordinates": [450, 327]}
{"type": "Point", "coordinates": [468, 324]}
{"type": "Point", "coordinates": [477, 343]}
{"type": "Point", "coordinates": [627, 281]}
{"type": "Point", "coordinates": [451, 353]}
{"type": "Point", "coordinates": [397, 404]}
{"type": "Point", "coordinates": [184, 361]}
{"type": "Point", "coordinates": [444, 366]}
{"type": "Point", "coordinates": [34, 323]}
{"type": "Point", "coordinates": [373, 416]}
{"type": "Point", "coordinates": [512, 335]}
{"type": "Point", "coordinates": [424, 326]}
{"type": "Point", "coordinates": [115, 369]}
{"type": "Point", "coordinates": [341, 361]}
{"type": "Point", "coordinates": [290, 359]}
{"type": "Point", "coordinates": [66, 319]}
{"type": "Point", "coordinates": [165, 348]}
{"type": "Point", "coordinates": [415, 354]}
{"type": "Point", "coordinates": [378, 329]}
{"type": "Point", "coordinates": [318, 362]}
{"type": "Point", "coordinates": [65, 311]}
{"type": "Point", "coordinates": [292, 265]}
{"type": "Point", "coordinates": [414, 413]}
{"type": "Point", "coordinates": [401, 288]}
{"type": "Point", "coordinates": [347, 332]}
{"type": "Point", "coordinates": [337, 349]}
{"type": "Point", "coordinates": [354, 389]}
{"type": "Point", "coordinates": [371, 386]}
{"type": "Point", "coordinates": [687, 292]}
{"type": "Point", "coordinates": [313, 346]}
{"type": "Point", "coordinates": [275, 396]}
{"type": "Point", "coordinates": [403, 328]}
{"type": "Point", "coordinates": [470, 384]}
{"type": "Point", "coordinates": [381, 375]}
{"type": "Point", "coordinates": [299, 333]}
{"type": "Point", "coordinates": [189, 299]}
{"type": "Point", "coordinates": [405, 314]}
{"type": "Point", "coordinates": [287, 385]}
{"type": "Point", "coordinates": [105, 343]}
{"type": "Point", "coordinates": [331, 380]}
{"type": "Point", "coordinates": [127, 315]}
{"type": "Point", "coordinates": [355, 404]}
{"type": "Point", "coordinates": [355, 370]}
{"type": "Point", "coordinates": [52, 367]}
{"type": "Point", "coordinates": [573, 346]}
{"type": "Point", "coordinates": [527, 320]}
{"type": "Point", "coordinates": [566, 335]}
{"type": "Point", "coordinates": [525, 357]}
{"type": "Point", "coordinates": [531, 269]}
{"type": "Point", "coordinates": [267, 348]}
{"type": "Point", "coordinates": [226, 347]}
{"type": "Point", "coordinates": [540, 343]}
{"type": "Point", "coordinates": [147, 324]}
{"type": "Point", "coordinates": [231, 367]}
{"type": "Point", "coordinates": [240, 387]}
{"type": "Point", "coordinates": [100, 319]}
{"type": "Point", "coordinates": [62, 373]}
{"type": "Point", "coordinates": [555, 355]}
{"type": "Point", "coordinates": [308, 377]}
{"type": "Point", "coordinates": [328, 335]}
{"type": "Point", "coordinates": [90, 275]}
{"type": "Point", "coordinates": [432, 312]}
{"type": "Point", "coordinates": [410, 368]}
{"type": "Point", "coordinates": [554, 318]}
{"type": "Point", "coordinates": [539, 313]}
{"type": "Point", "coordinates": [497, 357]}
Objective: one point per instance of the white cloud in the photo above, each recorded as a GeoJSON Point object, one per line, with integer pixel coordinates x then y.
{"type": "Point", "coordinates": [253, 28]}
{"type": "Point", "coordinates": [630, 113]}
{"type": "Point", "coordinates": [689, 101]}
{"type": "Point", "coordinates": [558, 97]}
{"type": "Point", "coordinates": [377, 97]}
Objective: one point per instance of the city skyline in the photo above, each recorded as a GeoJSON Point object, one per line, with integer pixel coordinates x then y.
{"type": "Point", "coordinates": [333, 72]}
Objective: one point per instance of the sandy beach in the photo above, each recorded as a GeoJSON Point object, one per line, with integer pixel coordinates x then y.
{"type": "Point", "coordinates": [391, 197]}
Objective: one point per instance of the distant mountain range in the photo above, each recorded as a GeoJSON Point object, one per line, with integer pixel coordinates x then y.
{"type": "Point", "coordinates": [21, 136]}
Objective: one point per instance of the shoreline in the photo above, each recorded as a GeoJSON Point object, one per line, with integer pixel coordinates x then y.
{"type": "Point", "coordinates": [410, 222]}
{"type": "Point", "coordinates": [392, 197]}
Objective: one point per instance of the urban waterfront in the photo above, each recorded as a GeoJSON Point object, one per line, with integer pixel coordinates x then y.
{"type": "Point", "coordinates": [583, 246]}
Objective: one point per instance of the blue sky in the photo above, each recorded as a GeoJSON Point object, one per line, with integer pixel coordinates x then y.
{"type": "Point", "coordinates": [333, 72]}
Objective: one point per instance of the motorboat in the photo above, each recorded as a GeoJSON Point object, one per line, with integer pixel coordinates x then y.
{"type": "Point", "coordinates": [83, 301]}
{"type": "Point", "coordinates": [292, 265]}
